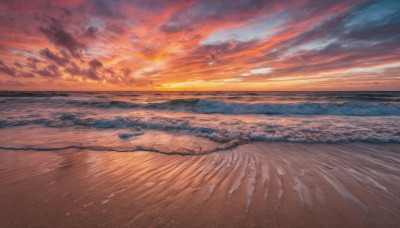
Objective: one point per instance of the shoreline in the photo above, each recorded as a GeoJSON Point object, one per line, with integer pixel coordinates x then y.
{"type": "Point", "coordinates": [216, 147]}
{"type": "Point", "coordinates": [256, 184]}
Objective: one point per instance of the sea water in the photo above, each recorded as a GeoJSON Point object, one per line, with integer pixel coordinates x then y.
{"type": "Point", "coordinates": [193, 122]}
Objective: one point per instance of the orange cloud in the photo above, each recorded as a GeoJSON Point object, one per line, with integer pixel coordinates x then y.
{"type": "Point", "coordinates": [198, 45]}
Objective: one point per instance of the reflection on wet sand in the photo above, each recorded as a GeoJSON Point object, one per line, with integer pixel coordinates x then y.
{"type": "Point", "coordinates": [257, 184]}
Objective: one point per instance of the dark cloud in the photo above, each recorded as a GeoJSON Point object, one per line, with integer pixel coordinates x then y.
{"type": "Point", "coordinates": [26, 75]}
{"type": "Point", "coordinates": [31, 62]}
{"type": "Point", "coordinates": [59, 60]}
{"type": "Point", "coordinates": [92, 75]}
{"type": "Point", "coordinates": [216, 51]}
{"type": "Point", "coordinates": [13, 72]}
{"type": "Point", "coordinates": [91, 32]}
{"type": "Point", "coordinates": [223, 11]}
{"type": "Point", "coordinates": [50, 71]}
{"type": "Point", "coordinates": [94, 63]}
{"type": "Point", "coordinates": [56, 34]}
{"type": "Point", "coordinates": [339, 57]}
{"type": "Point", "coordinates": [75, 70]}
{"type": "Point", "coordinates": [327, 28]}
{"type": "Point", "coordinates": [17, 64]}
{"type": "Point", "coordinates": [7, 70]}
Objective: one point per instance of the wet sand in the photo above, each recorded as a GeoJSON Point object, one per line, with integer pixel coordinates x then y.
{"type": "Point", "coordinates": [253, 185]}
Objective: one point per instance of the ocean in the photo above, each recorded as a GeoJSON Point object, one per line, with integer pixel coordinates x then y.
{"type": "Point", "coordinates": [201, 122]}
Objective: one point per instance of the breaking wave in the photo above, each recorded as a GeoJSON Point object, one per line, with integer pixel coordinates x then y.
{"type": "Point", "coordinates": [223, 132]}
{"type": "Point", "coordinates": [212, 106]}
{"type": "Point", "coordinates": [206, 106]}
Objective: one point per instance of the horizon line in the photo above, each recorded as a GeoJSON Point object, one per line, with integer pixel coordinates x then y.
{"type": "Point", "coordinates": [199, 90]}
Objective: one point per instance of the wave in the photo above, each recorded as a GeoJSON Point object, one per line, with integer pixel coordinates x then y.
{"type": "Point", "coordinates": [31, 94]}
{"type": "Point", "coordinates": [213, 106]}
{"type": "Point", "coordinates": [103, 104]}
{"type": "Point", "coordinates": [301, 130]}
{"type": "Point", "coordinates": [205, 106]}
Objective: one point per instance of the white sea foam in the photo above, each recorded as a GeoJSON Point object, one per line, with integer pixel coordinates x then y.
{"type": "Point", "coordinates": [232, 131]}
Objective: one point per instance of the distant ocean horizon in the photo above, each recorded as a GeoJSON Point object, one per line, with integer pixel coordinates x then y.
{"type": "Point", "coordinates": [268, 91]}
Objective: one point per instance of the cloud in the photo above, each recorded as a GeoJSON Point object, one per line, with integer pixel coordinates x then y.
{"type": "Point", "coordinates": [261, 70]}
{"type": "Point", "coordinates": [92, 75]}
{"type": "Point", "coordinates": [140, 44]}
{"type": "Point", "coordinates": [94, 63]}
{"type": "Point", "coordinates": [31, 62]}
{"type": "Point", "coordinates": [126, 72]}
{"type": "Point", "coordinates": [57, 59]}
{"type": "Point", "coordinates": [338, 57]}
{"type": "Point", "coordinates": [26, 75]}
{"type": "Point", "coordinates": [50, 71]}
{"type": "Point", "coordinates": [56, 34]}
{"type": "Point", "coordinates": [91, 32]}
{"type": "Point", "coordinates": [75, 70]}
{"type": "Point", "coordinates": [17, 64]}
{"type": "Point", "coordinates": [7, 70]}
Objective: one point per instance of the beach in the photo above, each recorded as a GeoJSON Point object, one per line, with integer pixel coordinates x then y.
{"type": "Point", "coordinates": [254, 185]}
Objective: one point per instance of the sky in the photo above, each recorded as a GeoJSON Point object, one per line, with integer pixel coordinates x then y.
{"type": "Point", "coordinates": [199, 45]}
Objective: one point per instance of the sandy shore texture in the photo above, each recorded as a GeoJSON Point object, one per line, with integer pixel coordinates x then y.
{"type": "Point", "coordinates": [253, 185]}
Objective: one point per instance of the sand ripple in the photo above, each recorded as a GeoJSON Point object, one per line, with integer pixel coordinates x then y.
{"type": "Point", "coordinates": [258, 184]}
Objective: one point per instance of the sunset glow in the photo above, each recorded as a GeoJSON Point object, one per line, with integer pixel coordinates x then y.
{"type": "Point", "coordinates": [199, 45]}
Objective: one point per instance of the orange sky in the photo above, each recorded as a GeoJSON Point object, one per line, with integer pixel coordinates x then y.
{"type": "Point", "coordinates": [199, 45]}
